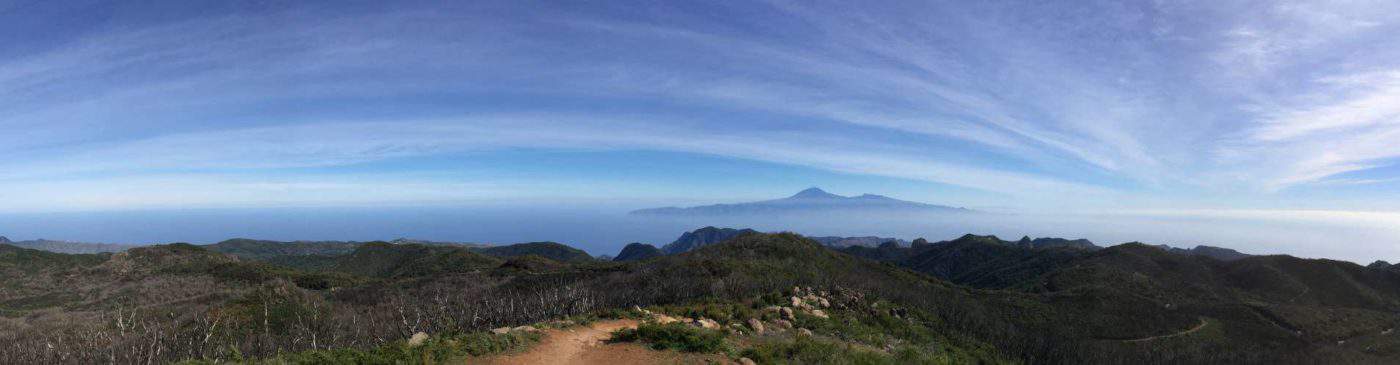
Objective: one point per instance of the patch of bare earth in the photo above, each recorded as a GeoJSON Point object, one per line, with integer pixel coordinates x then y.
{"type": "Point", "coordinates": [587, 345]}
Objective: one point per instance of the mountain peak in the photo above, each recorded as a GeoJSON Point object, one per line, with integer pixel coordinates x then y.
{"type": "Point", "coordinates": [814, 193]}
{"type": "Point", "coordinates": [4, 239]}
{"type": "Point", "coordinates": [808, 200]}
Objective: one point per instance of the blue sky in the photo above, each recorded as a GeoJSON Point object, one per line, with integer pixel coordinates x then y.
{"type": "Point", "coordinates": [1201, 107]}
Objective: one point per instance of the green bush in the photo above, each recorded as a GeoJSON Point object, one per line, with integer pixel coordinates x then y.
{"type": "Point", "coordinates": [674, 336]}
{"type": "Point", "coordinates": [806, 350]}
{"type": "Point", "coordinates": [434, 351]}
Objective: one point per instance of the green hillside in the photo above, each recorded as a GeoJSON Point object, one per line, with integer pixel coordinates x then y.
{"type": "Point", "coordinates": [551, 250]}
{"type": "Point", "coordinates": [385, 260]}
{"type": "Point", "coordinates": [264, 250]}
{"type": "Point", "coordinates": [975, 299]}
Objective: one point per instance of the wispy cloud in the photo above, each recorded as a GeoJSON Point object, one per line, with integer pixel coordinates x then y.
{"type": "Point", "coordinates": [343, 143]}
{"type": "Point", "coordinates": [1046, 103]}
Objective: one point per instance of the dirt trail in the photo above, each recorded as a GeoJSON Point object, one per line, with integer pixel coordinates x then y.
{"type": "Point", "coordinates": [587, 345]}
{"type": "Point", "coordinates": [1182, 333]}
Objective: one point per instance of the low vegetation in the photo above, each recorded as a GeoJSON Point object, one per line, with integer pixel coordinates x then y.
{"type": "Point", "coordinates": [673, 336]}
{"type": "Point", "coordinates": [1128, 303]}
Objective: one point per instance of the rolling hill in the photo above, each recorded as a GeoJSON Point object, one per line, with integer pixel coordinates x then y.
{"type": "Point", "coordinates": [67, 246]}
{"type": "Point", "coordinates": [703, 237]}
{"type": "Point", "coordinates": [975, 298]}
{"type": "Point", "coordinates": [550, 250]}
{"type": "Point", "coordinates": [638, 251]}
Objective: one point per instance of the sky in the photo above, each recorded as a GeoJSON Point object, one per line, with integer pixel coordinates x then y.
{"type": "Point", "coordinates": [1280, 111]}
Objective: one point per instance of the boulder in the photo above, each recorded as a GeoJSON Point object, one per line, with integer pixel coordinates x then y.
{"type": "Point", "coordinates": [783, 323]}
{"type": "Point", "coordinates": [819, 314]}
{"type": "Point", "coordinates": [756, 325]}
{"type": "Point", "coordinates": [665, 319]}
{"type": "Point", "coordinates": [524, 329]}
{"type": "Point", "coordinates": [746, 361]}
{"type": "Point", "coordinates": [707, 323]}
{"type": "Point", "coordinates": [787, 314]}
{"type": "Point", "coordinates": [418, 339]}
{"type": "Point", "coordinates": [823, 303]}
{"type": "Point", "coordinates": [804, 332]}
{"type": "Point", "coordinates": [501, 331]}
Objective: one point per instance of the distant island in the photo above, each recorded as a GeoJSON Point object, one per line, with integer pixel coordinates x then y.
{"type": "Point", "coordinates": [809, 200]}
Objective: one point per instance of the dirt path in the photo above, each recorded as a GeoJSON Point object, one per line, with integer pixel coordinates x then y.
{"type": "Point", "coordinates": [587, 345]}
{"type": "Point", "coordinates": [1182, 333]}
{"type": "Point", "coordinates": [1300, 295]}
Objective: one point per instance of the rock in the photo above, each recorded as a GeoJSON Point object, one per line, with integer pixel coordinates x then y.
{"type": "Point", "coordinates": [785, 324]}
{"type": "Point", "coordinates": [665, 319]}
{"type": "Point", "coordinates": [746, 361]}
{"type": "Point", "coordinates": [819, 314]}
{"type": "Point", "coordinates": [418, 339]}
{"type": "Point", "coordinates": [804, 332]}
{"type": "Point", "coordinates": [787, 314]}
{"type": "Point", "coordinates": [524, 329]}
{"type": "Point", "coordinates": [756, 325]}
{"type": "Point", "coordinates": [687, 320]}
{"type": "Point", "coordinates": [823, 303]}
{"type": "Point", "coordinates": [501, 331]}
{"type": "Point", "coordinates": [772, 309]}
{"type": "Point", "coordinates": [707, 323]}
{"type": "Point", "coordinates": [797, 302]}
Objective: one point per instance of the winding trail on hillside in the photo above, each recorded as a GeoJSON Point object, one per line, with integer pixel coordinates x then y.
{"type": "Point", "coordinates": [1178, 334]}
{"type": "Point", "coordinates": [587, 345]}
{"type": "Point", "coordinates": [1306, 289]}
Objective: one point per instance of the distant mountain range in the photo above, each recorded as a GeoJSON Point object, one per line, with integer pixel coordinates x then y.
{"type": "Point", "coordinates": [66, 246]}
{"type": "Point", "coordinates": [810, 200]}
{"type": "Point", "coordinates": [300, 251]}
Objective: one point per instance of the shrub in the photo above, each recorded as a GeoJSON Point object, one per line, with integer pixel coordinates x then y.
{"type": "Point", "coordinates": [806, 350]}
{"type": "Point", "coordinates": [434, 351]}
{"type": "Point", "coordinates": [673, 336]}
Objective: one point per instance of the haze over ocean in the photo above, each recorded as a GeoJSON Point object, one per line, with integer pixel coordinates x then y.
{"type": "Point", "coordinates": [605, 231]}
